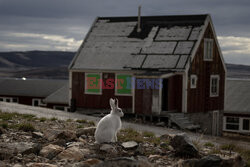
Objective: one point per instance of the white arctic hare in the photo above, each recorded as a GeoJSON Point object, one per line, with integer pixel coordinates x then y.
{"type": "Point", "coordinates": [109, 125]}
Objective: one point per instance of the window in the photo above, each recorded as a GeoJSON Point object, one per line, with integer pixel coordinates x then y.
{"type": "Point", "coordinates": [93, 83]}
{"type": "Point", "coordinates": [123, 84]}
{"type": "Point", "coordinates": [236, 124]}
{"type": "Point", "coordinates": [214, 85]}
{"type": "Point", "coordinates": [36, 102]}
{"type": "Point", "coordinates": [15, 100]}
{"type": "Point", "coordinates": [246, 124]}
{"type": "Point", "coordinates": [193, 81]}
{"type": "Point", "coordinates": [208, 49]}
{"type": "Point", "coordinates": [232, 123]}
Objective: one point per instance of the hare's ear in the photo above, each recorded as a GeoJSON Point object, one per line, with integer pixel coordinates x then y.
{"type": "Point", "coordinates": [112, 103]}
{"type": "Point", "coordinates": [116, 102]}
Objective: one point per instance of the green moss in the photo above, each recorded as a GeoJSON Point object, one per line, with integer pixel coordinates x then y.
{"type": "Point", "coordinates": [27, 116]}
{"type": "Point", "coordinates": [43, 119]}
{"type": "Point", "coordinates": [91, 123]}
{"type": "Point", "coordinates": [148, 134]}
{"type": "Point", "coordinates": [69, 120]}
{"type": "Point", "coordinates": [4, 125]}
{"type": "Point", "coordinates": [81, 121]}
{"type": "Point", "coordinates": [7, 116]}
{"type": "Point", "coordinates": [129, 134]}
{"type": "Point", "coordinates": [80, 126]}
{"type": "Point", "coordinates": [208, 144]}
{"type": "Point", "coordinates": [53, 119]}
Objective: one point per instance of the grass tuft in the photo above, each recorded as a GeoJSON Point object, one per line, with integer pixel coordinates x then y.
{"type": "Point", "coordinates": [26, 127]}
{"type": "Point", "coordinates": [4, 125]}
{"type": "Point", "coordinates": [81, 121]}
{"type": "Point", "coordinates": [43, 119]}
{"type": "Point", "coordinates": [208, 144]}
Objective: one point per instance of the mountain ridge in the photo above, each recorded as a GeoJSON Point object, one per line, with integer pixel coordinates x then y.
{"type": "Point", "coordinates": [54, 65]}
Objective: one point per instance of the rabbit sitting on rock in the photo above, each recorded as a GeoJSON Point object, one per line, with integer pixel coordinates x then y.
{"type": "Point", "coordinates": [109, 125]}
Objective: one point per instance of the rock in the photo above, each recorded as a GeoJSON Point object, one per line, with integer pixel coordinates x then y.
{"type": "Point", "coordinates": [129, 145]}
{"type": "Point", "coordinates": [234, 161]}
{"type": "Point", "coordinates": [154, 157]}
{"type": "Point", "coordinates": [214, 161]}
{"type": "Point", "coordinates": [66, 135]}
{"type": "Point", "coordinates": [183, 146]}
{"type": "Point", "coordinates": [2, 131]}
{"type": "Point", "coordinates": [8, 150]}
{"type": "Point", "coordinates": [59, 142]}
{"type": "Point", "coordinates": [37, 135]}
{"type": "Point", "coordinates": [108, 148]}
{"type": "Point", "coordinates": [208, 161]}
{"type": "Point", "coordinates": [50, 151]}
{"type": "Point", "coordinates": [124, 162]}
{"type": "Point", "coordinates": [89, 131]}
{"type": "Point", "coordinates": [18, 165]}
{"type": "Point", "coordinates": [92, 162]}
{"type": "Point", "coordinates": [160, 124]}
{"type": "Point", "coordinates": [40, 165]}
{"type": "Point", "coordinates": [163, 145]}
{"type": "Point", "coordinates": [73, 153]}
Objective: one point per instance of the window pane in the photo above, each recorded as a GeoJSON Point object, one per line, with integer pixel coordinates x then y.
{"type": "Point", "coordinates": [232, 120]}
{"type": "Point", "coordinates": [123, 84]}
{"type": "Point", "coordinates": [246, 124]}
{"type": "Point", "coordinates": [14, 100]}
{"type": "Point", "coordinates": [93, 83]}
{"type": "Point", "coordinates": [232, 127]}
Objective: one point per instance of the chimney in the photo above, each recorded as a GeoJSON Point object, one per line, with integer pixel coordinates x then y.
{"type": "Point", "coordinates": [139, 20]}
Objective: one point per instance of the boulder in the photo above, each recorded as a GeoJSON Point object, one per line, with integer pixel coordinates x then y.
{"type": "Point", "coordinates": [50, 151]}
{"type": "Point", "coordinates": [108, 148]}
{"type": "Point", "coordinates": [183, 146]}
{"type": "Point", "coordinates": [129, 145]}
{"type": "Point", "coordinates": [40, 165]}
{"type": "Point", "coordinates": [66, 135]}
{"type": "Point", "coordinates": [89, 131]}
{"type": "Point", "coordinates": [8, 150]}
{"type": "Point", "coordinates": [2, 131]}
{"type": "Point", "coordinates": [37, 135]}
{"type": "Point", "coordinates": [124, 162]}
{"type": "Point", "coordinates": [73, 153]}
{"type": "Point", "coordinates": [212, 160]}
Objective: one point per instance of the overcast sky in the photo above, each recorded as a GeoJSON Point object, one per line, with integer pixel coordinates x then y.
{"type": "Point", "coordinates": [62, 24]}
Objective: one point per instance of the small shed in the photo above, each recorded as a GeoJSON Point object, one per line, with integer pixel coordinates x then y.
{"type": "Point", "coordinates": [28, 91]}
{"type": "Point", "coordinates": [237, 106]}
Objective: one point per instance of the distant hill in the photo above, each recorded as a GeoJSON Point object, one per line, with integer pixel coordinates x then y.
{"type": "Point", "coordinates": [35, 64]}
{"type": "Point", "coordinates": [54, 64]}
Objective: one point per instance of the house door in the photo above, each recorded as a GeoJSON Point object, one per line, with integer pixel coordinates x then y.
{"type": "Point", "coordinates": [164, 96]}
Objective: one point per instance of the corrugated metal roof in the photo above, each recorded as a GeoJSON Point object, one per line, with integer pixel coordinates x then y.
{"type": "Point", "coordinates": [237, 96]}
{"type": "Point", "coordinates": [61, 96]}
{"type": "Point", "coordinates": [30, 87]}
{"type": "Point", "coordinates": [114, 44]}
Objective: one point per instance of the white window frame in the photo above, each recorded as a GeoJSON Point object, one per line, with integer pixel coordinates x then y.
{"type": "Point", "coordinates": [85, 84]}
{"type": "Point", "coordinates": [65, 108]}
{"type": "Point", "coordinates": [118, 94]}
{"type": "Point", "coordinates": [218, 85]}
{"type": "Point", "coordinates": [208, 49]}
{"type": "Point", "coordinates": [193, 76]}
{"type": "Point", "coordinates": [10, 98]}
{"type": "Point", "coordinates": [240, 124]}
{"type": "Point", "coordinates": [39, 102]}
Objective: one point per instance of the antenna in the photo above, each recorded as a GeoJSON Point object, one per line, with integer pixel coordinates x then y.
{"type": "Point", "coordinates": [139, 20]}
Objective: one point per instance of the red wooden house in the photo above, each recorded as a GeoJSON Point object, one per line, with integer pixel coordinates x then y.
{"type": "Point", "coordinates": [174, 64]}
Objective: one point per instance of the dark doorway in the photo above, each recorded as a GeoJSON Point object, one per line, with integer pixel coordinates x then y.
{"type": "Point", "coordinates": [164, 101]}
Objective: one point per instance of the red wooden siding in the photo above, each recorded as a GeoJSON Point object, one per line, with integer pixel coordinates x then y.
{"type": "Point", "coordinates": [175, 93]}
{"type": "Point", "coordinates": [96, 101]}
{"type": "Point", "coordinates": [199, 99]}
{"type": "Point", "coordinates": [27, 100]}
